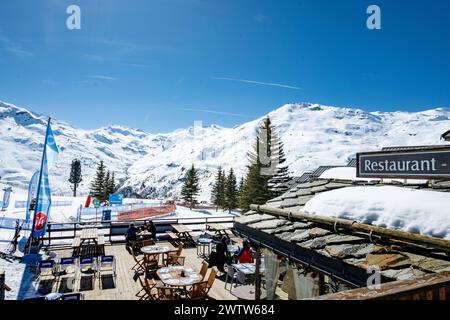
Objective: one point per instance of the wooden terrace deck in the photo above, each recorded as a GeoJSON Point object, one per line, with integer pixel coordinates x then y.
{"type": "Point", "coordinates": [126, 284]}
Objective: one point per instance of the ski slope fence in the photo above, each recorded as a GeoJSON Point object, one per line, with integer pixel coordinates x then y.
{"type": "Point", "coordinates": [138, 209]}
{"type": "Point", "coordinates": [138, 214]}
{"type": "Point", "coordinates": [23, 204]}
{"type": "Point", "coordinates": [10, 223]}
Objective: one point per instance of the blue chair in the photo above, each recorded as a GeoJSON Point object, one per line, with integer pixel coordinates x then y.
{"type": "Point", "coordinates": [39, 298]}
{"type": "Point", "coordinates": [67, 269]}
{"type": "Point", "coordinates": [107, 265]}
{"type": "Point", "coordinates": [46, 270]}
{"type": "Point", "coordinates": [87, 268]}
{"type": "Point", "coordinates": [72, 297]}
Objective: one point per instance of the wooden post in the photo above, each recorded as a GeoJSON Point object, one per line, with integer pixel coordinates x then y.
{"type": "Point", "coordinates": [49, 231]}
{"type": "Point", "coordinates": [257, 275]}
{"type": "Point", "coordinates": [2, 285]}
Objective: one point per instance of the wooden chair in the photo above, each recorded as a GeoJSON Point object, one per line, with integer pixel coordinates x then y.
{"type": "Point", "coordinates": [167, 293]}
{"type": "Point", "coordinates": [211, 278]}
{"type": "Point", "coordinates": [142, 294]}
{"type": "Point", "coordinates": [151, 263]}
{"type": "Point", "coordinates": [139, 265]}
{"type": "Point", "coordinates": [174, 255]}
{"type": "Point", "coordinates": [204, 269]}
{"type": "Point", "coordinates": [150, 284]}
{"type": "Point", "coordinates": [198, 291]}
{"type": "Point", "coordinates": [146, 243]}
{"type": "Point", "coordinates": [177, 261]}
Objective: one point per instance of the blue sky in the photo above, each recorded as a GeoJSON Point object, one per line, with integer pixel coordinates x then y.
{"type": "Point", "coordinates": [162, 64]}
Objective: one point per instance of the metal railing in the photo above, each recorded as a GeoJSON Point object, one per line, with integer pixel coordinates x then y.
{"type": "Point", "coordinates": [60, 231]}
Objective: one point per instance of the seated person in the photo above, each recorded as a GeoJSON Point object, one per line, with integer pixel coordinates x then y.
{"type": "Point", "coordinates": [149, 226]}
{"type": "Point", "coordinates": [152, 230]}
{"type": "Point", "coordinates": [245, 254]}
{"type": "Point", "coordinates": [145, 226]}
{"type": "Point", "coordinates": [131, 235]}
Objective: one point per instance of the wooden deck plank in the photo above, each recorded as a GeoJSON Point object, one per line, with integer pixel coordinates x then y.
{"type": "Point", "coordinates": [126, 287]}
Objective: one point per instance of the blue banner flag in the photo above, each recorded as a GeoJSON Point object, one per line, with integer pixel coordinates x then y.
{"type": "Point", "coordinates": [44, 199]}
{"type": "Point", "coordinates": [32, 195]}
{"type": "Point", "coordinates": [6, 196]}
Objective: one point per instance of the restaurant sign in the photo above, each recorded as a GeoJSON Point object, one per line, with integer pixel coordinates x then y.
{"type": "Point", "coordinates": [413, 164]}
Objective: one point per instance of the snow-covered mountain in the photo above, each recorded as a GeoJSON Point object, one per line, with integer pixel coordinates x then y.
{"type": "Point", "coordinates": [153, 165]}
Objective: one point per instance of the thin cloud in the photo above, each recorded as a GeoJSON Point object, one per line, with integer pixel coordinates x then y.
{"type": "Point", "coordinates": [260, 18]}
{"type": "Point", "coordinates": [112, 60]}
{"type": "Point", "coordinates": [101, 77]}
{"type": "Point", "coordinates": [14, 48]}
{"type": "Point", "coordinates": [50, 82]}
{"type": "Point", "coordinates": [280, 85]}
{"type": "Point", "coordinates": [129, 46]}
{"type": "Point", "coordinates": [217, 112]}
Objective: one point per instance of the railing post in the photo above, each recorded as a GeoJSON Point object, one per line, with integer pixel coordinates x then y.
{"type": "Point", "coordinates": [49, 231]}
{"type": "Point", "coordinates": [2, 285]}
{"type": "Point", "coordinates": [257, 275]}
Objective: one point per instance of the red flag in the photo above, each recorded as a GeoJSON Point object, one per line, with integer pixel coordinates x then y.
{"type": "Point", "coordinates": [88, 202]}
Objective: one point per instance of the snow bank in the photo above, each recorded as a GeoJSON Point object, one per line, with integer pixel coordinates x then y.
{"type": "Point", "coordinates": [349, 173]}
{"type": "Point", "coordinates": [397, 208]}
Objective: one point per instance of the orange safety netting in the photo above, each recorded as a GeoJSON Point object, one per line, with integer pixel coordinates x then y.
{"type": "Point", "coordinates": [139, 214]}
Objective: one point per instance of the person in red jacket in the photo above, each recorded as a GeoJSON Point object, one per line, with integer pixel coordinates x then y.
{"type": "Point", "coordinates": [245, 255]}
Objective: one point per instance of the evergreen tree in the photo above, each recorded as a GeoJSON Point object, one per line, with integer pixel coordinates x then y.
{"type": "Point", "coordinates": [98, 185]}
{"type": "Point", "coordinates": [241, 188]}
{"type": "Point", "coordinates": [190, 189]}
{"type": "Point", "coordinates": [112, 188]}
{"type": "Point", "coordinates": [75, 175]}
{"type": "Point", "coordinates": [231, 191]}
{"type": "Point", "coordinates": [255, 189]}
{"type": "Point", "coordinates": [218, 190]}
{"type": "Point", "coordinates": [278, 184]}
{"type": "Point", "coordinates": [106, 185]}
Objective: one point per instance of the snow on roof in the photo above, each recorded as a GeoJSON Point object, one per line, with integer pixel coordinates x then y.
{"type": "Point", "coordinates": [343, 173]}
{"type": "Point", "coordinates": [349, 173]}
{"type": "Point", "coordinates": [392, 207]}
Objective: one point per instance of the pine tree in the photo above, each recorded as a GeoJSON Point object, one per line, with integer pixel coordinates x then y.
{"type": "Point", "coordinates": [97, 186]}
{"type": "Point", "coordinates": [112, 184]}
{"type": "Point", "coordinates": [75, 175]}
{"type": "Point", "coordinates": [106, 185]}
{"type": "Point", "coordinates": [255, 189]}
{"type": "Point", "coordinates": [231, 192]}
{"type": "Point", "coordinates": [241, 188]}
{"type": "Point", "coordinates": [190, 189]}
{"type": "Point", "coordinates": [218, 190]}
{"type": "Point", "coordinates": [278, 184]}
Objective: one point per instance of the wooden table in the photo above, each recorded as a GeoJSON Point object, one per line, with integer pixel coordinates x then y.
{"type": "Point", "coordinates": [247, 292]}
{"type": "Point", "coordinates": [247, 268]}
{"type": "Point", "coordinates": [89, 243]}
{"type": "Point", "coordinates": [157, 250]}
{"type": "Point", "coordinates": [183, 232]}
{"type": "Point", "coordinates": [218, 229]}
{"type": "Point", "coordinates": [145, 234]}
{"type": "Point", "coordinates": [89, 234]}
{"type": "Point", "coordinates": [171, 276]}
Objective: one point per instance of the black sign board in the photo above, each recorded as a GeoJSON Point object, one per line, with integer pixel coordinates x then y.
{"type": "Point", "coordinates": [413, 164]}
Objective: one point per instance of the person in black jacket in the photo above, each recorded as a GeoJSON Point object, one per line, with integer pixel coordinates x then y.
{"type": "Point", "coordinates": [152, 230]}
{"type": "Point", "coordinates": [222, 255]}
{"type": "Point", "coordinates": [131, 236]}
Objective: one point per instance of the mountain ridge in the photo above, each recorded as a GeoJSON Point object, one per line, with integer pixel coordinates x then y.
{"type": "Point", "coordinates": [154, 164]}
